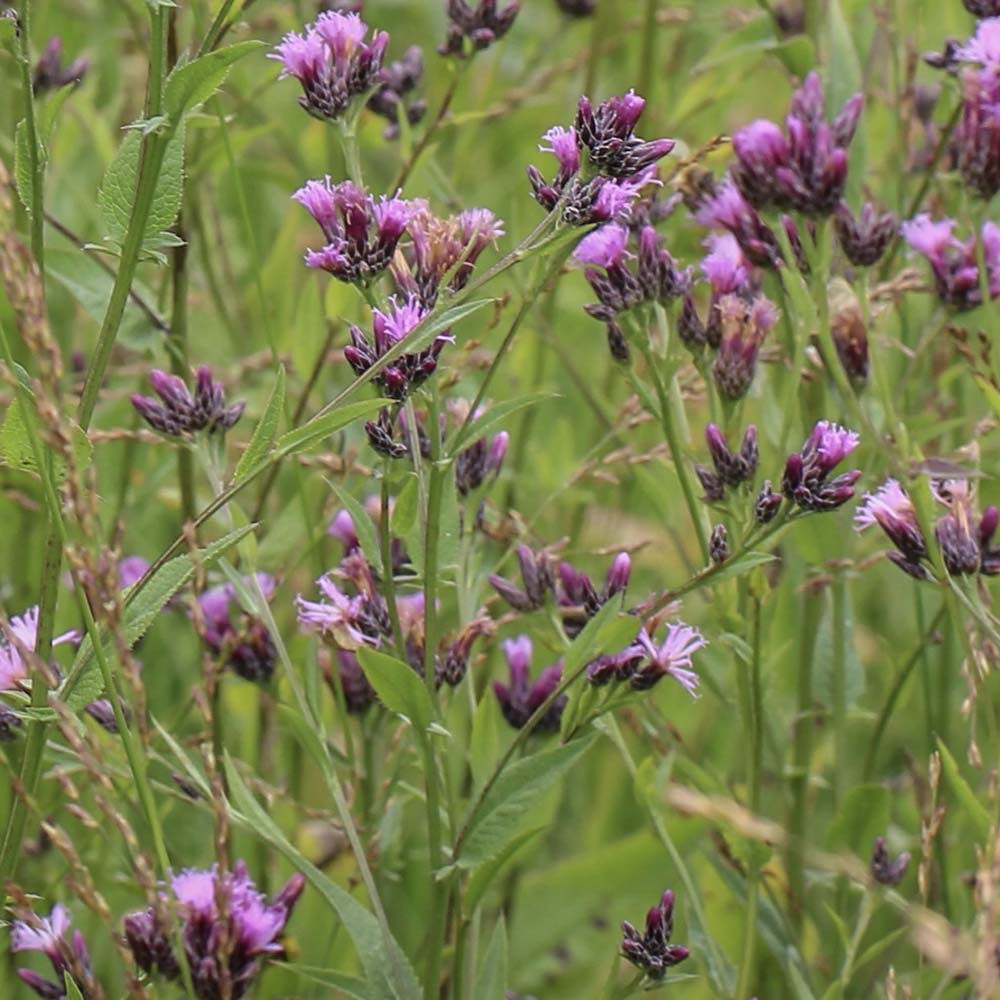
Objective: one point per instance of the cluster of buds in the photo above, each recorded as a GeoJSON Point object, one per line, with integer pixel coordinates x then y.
{"type": "Point", "coordinates": [399, 79]}
{"type": "Point", "coordinates": [807, 481]}
{"type": "Point", "coordinates": [482, 24]}
{"type": "Point", "coordinates": [51, 74]}
{"type": "Point", "coordinates": [178, 412]}
{"type": "Point", "coordinates": [69, 958]}
{"type": "Point", "coordinates": [579, 600]}
{"type": "Point", "coordinates": [806, 170]}
{"type": "Point", "coordinates": [398, 379]}
{"type": "Point", "coordinates": [481, 461]}
{"type": "Point", "coordinates": [954, 264]}
{"type": "Point", "coordinates": [744, 322]}
{"type": "Point", "coordinates": [240, 640]}
{"type": "Point", "coordinates": [522, 697]}
{"type": "Point", "coordinates": [361, 232]}
{"type": "Point", "coordinates": [643, 664]}
{"type": "Point", "coordinates": [732, 469]}
{"type": "Point", "coordinates": [442, 253]}
{"type": "Point", "coordinates": [332, 62]}
{"type": "Point", "coordinates": [228, 929]}
{"type": "Point", "coordinates": [537, 579]}
{"type": "Point", "coordinates": [866, 237]}
{"type": "Point", "coordinates": [652, 952]}
{"type": "Point", "coordinates": [884, 870]}
{"type": "Point", "coordinates": [618, 163]}
{"type": "Point", "coordinates": [620, 287]}
{"type": "Point", "coordinates": [964, 537]}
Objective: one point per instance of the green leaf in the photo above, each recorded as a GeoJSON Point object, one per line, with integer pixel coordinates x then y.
{"type": "Point", "coordinates": [608, 631]}
{"type": "Point", "coordinates": [843, 76]}
{"type": "Point", "coordinates": [388, 971]}
{"type": "Point", "coordinates": [341, 984]}
{"type": "Point", "coordinates": [423, 334]}
{"type": "Point", "coordinates": [363, 526]}
{"type": "Point", "coordinates": [967, 798]}
{"type": "Point", "coordinates": [518, 789]}
{"type": "Point", "coordinates": [22, 162]}
{"type": "Point", "coordinates": [492, 978]}
{"type": "Point", "coordinates": [195, 82]}
{"type": "Point", "coordinates": [863, 816]}
{"type": "Point", "coordinates": [495, 416]}
{"type": "Point", "coordinates": [483, 877]}
{"type": "Point", "coordinates": [484, 741]}
{"type": "Point", "coordinates": [83, 682]}
{"type": "Point", "coordinates": [265, 431]}
{"type": "Point", "coordinates": [72, 990]}
{"type": "Point", "coordinates": [397, 686]}
{"type": "Point", "coordinates": [741, 564]}
{"type": "Point", "coordinates": [403, 516]}
{"type": "Point", "coordinates": [118, 188]}
{"type": "Point", "coordinates": [304, 437]}
{"type": "Point", "coordinates": [16, 451]}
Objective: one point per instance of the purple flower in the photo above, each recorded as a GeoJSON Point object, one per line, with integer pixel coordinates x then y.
{"type": "Point", "coordinates": [480, 461]}
{"type": "Point", "coordinates": [731, 468]}
{"type": "Point", "coordinates": [806, 481]}
{"type": "Point", "coordinates": [332, 62]}
{"type": "Point", "coordinates": [178, 412]}
{"type": "Point", "coordinates": [984, 46]}
{"type": "Point", "coordinates": [580, 599]}
{"type": "Point", "coordinates": [864, 239]}
{"type": "Point", "coordinates": [607, 132]}
{"type": "Point", "coordinates": [536, 577]}
{"type": "Point", "coordinates": [884, 870]}
{"type": "Point", "coordinates": [21, 632]}
{"type": "Point", "coordinates": [652, 952]}
{"type": "Point", "coordinates": [398, 80]}
{"type": "Point", "coordinates": [68, 957]}
{"type": "Point", "coordinates": [50, 74]}
{"type": "Point", "coordinates": [243, 641]}
{"type": "Point", "coordinates": [671, 658]}
{"type": "Point", "coordinates": [482, 24]}
{"type": "Point", "coordinates": [521, 698]}
{"type": "Point", "coordinates": [725, 265]}
{"type": "Point", "coordinates": [618, 666]}
{"type": "Point", "coordinates": [361, 232]}
{"type": "Point", "coordinates": [955, 264]}
{"type": "Point", "coordinates": [606, 247]}
{"type": "Point", "coordinates": [892, 510]}
{"type": "Point", "coordinates": [805, 171]}
{"type": "Point", "coordinates": [727, 209]}
{"type": "Point", "coordinates": [216, 911]}
{"type": "Point", "coordinates": [977, 138]}
{"type": "Point", "coordinates": [338, 617]}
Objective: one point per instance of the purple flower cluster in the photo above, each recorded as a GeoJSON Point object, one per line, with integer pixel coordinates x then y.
{"type": "Point", "coordinates": [398, 80]}
{"type": "Point", "coordinates": [479, 462]}
{"type": "Point", "coordinates": [864, 238]}
{"type": "Point", "coordinates": [644, 663]}
{"type": "Point", "coordinates": [522, 697]}
{"type": "Point", "coordinates": [618, 163]}
{"type": "Point", "coordinates": [743, 326]}
{"type": "Point", "coordinates": [537, 580]}
{"type": "Point", "coordinates": [240, 640]}
{"type": "Point", "coordinates": [977, 138]}
{"type": "Point", "coordinates": [481, 24]}
{"type": "Point", "coordinates": [332, 62]}
{"type": "Point", "coordinates": [807, 481]}
{"type": "Point", "coordinates": [69, 958]}
{"type": "Point", "coordinates": [725, 207]}
{"type": "Point", "coordinates": [954, 264]}
{"type": "Point", "coordinates": [228, 929]}
{"type": "Point", "coordinates": [361, 232]}
{"type": "Point", "coordinates": [179, 412]}
{"type": "Point", "coordinates": [652, 951]}
{"type": "Point", "coordinates": [804, 168]}
{"type": "Point", "coordinates": [965, 538]}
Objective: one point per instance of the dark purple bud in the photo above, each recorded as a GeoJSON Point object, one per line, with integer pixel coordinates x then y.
{"type": "Point", "coordinates": [718, 545]}
{"type": "Point", "coordinates": [45, 989]}
{"type": "Point", "coordinates": [766, 504]}
{"type": "Point", "coordinates": [690, 328]}
{"type": "Point", "coordinates": [988, 525]}
{"type": "Point", "coordinates": [712, 484]}
{"type": "Point", "coordinates": [617, 344]}
{"type": "Point", "coordinates": [652, 952]}
{"type": "Point", "coordinates": [885, 871]}
{"type": "Point", "coordinates": [102, 712]}
{"type": "Point", "coordinates": [618, 575]}
{"type": "Point", "coordinates": [50, 74]}
{"type": "Point", "coordinates": [179, 412]}
{"type": "Point", "coordinates": [864, 239]}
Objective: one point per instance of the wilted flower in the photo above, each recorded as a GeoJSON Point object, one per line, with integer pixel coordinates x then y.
{"type": "Point", "coordinates": [228, 929]}
{"type": "Point", "coordinates": [361, 232]}
{"type": "Point", "coordinates": [743, 327]}
{"type": "Point", "coordinates": [652, 952]}
{"type": "Point", "coordinates": [21, 632]}
{"type": "Point", "coordinates": [482, 24]}
{"type": "Point", "coordinates": [955, 264]}
{"type": "Point", "coordinates": [805, 171]}
{"type": "Point", "coordinates": [806, 481]}
{"type": "Point", "coordinates": [442, 249]}
{"type": "Point", "coordinates": [865, 238]}
{"type": "Point", "coordinates": [672, 658]}
{"type": "Point", "coordinates": [454, 660]}
{"type": "Point", "coordinates": [68, 957]}
{"type": "Point", "coordinates": [399, 79]}
{"type": "Point", "coordinates": [50, 74]}
{"type": "Point", "coordinates": [178, 412]}
{"type": "Point", "coordinates": [243, 640]}
{"type": "Point", "coordinates": [885, 871]}
{"type": "Point", "coordinates": [390, 328]}
{"type": "Point", "coordinates": [521, 698]}
{"type": "Point", "coordinates": [847, 327]}
{"type": "Point", "coordinates": [536, 577]}
{"type": "Point", "coordinates": [332, 62]}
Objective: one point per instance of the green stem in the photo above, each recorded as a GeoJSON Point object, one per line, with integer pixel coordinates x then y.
{"type": "Point", "coordinates": [36, 157]}
{"type": "Point", "coordinates": [180, 364]}
{"type": "Point", "coordinates": [348, 133]}
{"type": "Point", "coordinates": [865, 913]}
{"type": "Point", "coordinates": [839, 687]}
{"type": "Point", "coordinates": [668, 399]}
